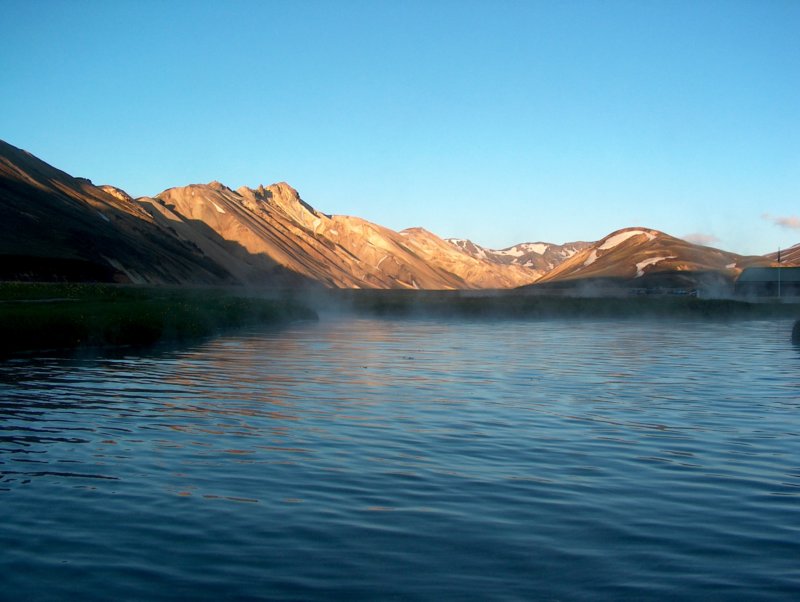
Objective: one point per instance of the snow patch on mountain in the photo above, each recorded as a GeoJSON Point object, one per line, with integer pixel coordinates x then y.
{"type": "Point", "coordinates": [617, 239]}
{"type": "Point", "coordinates": [512, 252]}
{"type": "Point", "coordinates": [523, 249]}
{"type": "Point", "coordinates": [531, 264]}
{"type": "Point", "coordinates": [591, 259]}
{"type": "Point", "coordinates": [651, 261]}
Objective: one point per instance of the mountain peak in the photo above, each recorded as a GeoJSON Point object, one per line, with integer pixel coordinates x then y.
{"type": "Point", "coordinates": [619, 237]}
{"type": "Point", "coordinates": [283, 197]}
{"type": "Point", "coordinates": [117, 193]}
{"type": "Point", "coordinates": [417, 230]}
{"type": "Point", "coordinates": [280, 190]}
{"type": "Point", "coordinates": [216, 185]}
{"type": "Point", "coordinates": [285, 188]}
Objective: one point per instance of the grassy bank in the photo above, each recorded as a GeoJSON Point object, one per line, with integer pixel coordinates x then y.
{"type": "Point", "coordinates": [49, 316]}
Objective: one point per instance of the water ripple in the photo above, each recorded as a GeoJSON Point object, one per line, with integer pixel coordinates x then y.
{"type": "Point", "coordinates": [364, 459]}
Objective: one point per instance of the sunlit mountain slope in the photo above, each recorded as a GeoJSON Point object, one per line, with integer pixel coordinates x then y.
{"type": "Point", "coordinates": [642, 257]}
{"type": "Point", "coordinates": [58, 227]}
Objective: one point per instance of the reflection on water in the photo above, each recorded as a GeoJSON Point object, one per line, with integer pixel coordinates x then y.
{"type": "Point", "coordinates": [364, 459]}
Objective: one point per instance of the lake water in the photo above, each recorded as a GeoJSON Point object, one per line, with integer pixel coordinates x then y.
{"type": "Point", "coordinates": [359, 459]}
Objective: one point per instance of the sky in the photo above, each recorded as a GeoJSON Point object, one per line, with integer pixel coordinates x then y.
{"type": "Point", "coordinates": [498, 121]}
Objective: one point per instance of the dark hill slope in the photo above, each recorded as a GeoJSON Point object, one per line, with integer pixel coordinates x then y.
{"type": "Point", "coordinates": [57, 227]}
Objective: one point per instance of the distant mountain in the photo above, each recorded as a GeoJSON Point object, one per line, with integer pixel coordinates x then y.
{"type": "Point", "coordinates": [641, 257]}
{"type": "Point", "coordinates": [482, 272]}
{"type": "Point", "coordinates": [789, 257]}
{"type": "Point", "coordinates": [541, 257]}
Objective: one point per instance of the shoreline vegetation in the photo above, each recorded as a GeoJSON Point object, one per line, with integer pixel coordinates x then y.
{"type": "Point", "coordinates": [37, 317]}
{"type": "Point", "coordinates": [44, 316]}
{"type": "Point", "coordinates": [513, 304]}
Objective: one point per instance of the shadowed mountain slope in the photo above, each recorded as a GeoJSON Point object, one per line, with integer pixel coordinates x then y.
{"type": "Point", "coordinates": [56, 227]}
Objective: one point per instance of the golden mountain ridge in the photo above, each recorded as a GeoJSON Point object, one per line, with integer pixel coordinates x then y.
{"type": "Point", "coordinates": [210, 234]}
{"type": "Point", "coordinates": [58, 227]}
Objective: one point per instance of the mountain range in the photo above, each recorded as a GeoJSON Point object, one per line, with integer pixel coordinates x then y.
{"type": "Point", "coordinates": [60, 227]}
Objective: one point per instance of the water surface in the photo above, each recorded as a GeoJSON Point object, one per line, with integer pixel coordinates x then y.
{"type": "Point", "coordinates": [410, 460]}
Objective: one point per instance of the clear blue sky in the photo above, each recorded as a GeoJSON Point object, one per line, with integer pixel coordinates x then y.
{"type": "Point", "coordinates": [501, 122]}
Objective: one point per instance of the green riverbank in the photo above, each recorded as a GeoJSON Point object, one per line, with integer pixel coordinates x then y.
{"type": "Point", "coordinates": [36, 317]}
{"type": "Point", "coordinates": [67, 316]}
{"type": "Point", "coordinates": [512, 304]}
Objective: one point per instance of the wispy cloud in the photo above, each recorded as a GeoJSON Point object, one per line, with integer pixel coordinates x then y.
{"type": "Point", "coordinates": [700, 238]}
{"type": "Point", "coordinates": [788, 221]}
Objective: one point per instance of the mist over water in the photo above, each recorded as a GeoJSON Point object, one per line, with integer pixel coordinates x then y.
{"type": "Point", "coordinates": [410, 459]}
